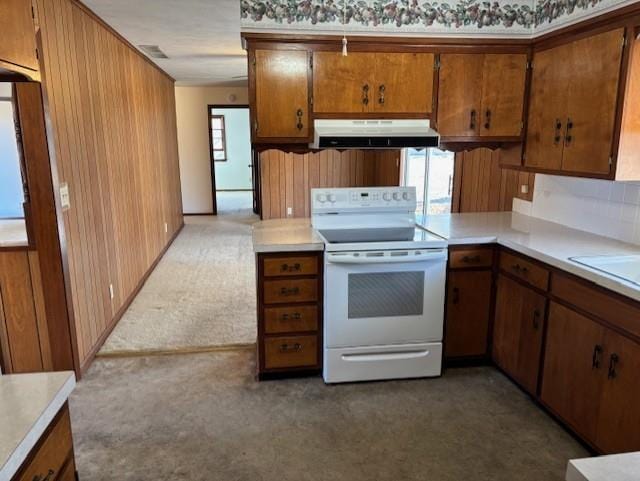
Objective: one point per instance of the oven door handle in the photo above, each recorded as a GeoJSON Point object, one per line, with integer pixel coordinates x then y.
{"type": "Point", "coordinates": [385, 356]}
{"type": "Point", "coordinates": [342, 258]}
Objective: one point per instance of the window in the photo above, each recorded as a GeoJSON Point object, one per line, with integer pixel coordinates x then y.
{"type": "Point", "coordinates": [218, 138]}
{"type": "Point", "coordinates": [11, 190]}
{"type": "Point", "coordinates": [431, 172]}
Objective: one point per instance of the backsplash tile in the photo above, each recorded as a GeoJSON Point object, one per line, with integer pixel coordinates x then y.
{"type": "Point", "coordinates": [606, 208]}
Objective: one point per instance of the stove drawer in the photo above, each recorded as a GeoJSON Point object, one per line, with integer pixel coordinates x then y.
{"type": "Point", "coordinates": [290, 352]}
{"type": "Point", "coordinates": [278, 320]}
{"type": "Point", "coordinates": [290, 266]}
{"type": "Point", "coordinates": [290, 291]}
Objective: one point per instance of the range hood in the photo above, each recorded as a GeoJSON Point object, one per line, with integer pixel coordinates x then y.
{"type": "Point", "coordinates": [373, 134]}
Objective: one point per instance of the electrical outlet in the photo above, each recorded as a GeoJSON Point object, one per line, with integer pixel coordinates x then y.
{"type": "Point", "coordinates": [166, 227]}
{"type": "Point", "coordinates": [524, 189]}
{"type": "Point", "coordinates": [111, 291]}
{"type": "Point", "coordinates": [65, 199]}
{"type": "Point", "coordinates": [289, 211]}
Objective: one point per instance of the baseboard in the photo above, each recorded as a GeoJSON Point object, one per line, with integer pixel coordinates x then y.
{"type": "Point", "coordinates": [84, 365]}
{"type": "Point", "coordinates": [198, 213]}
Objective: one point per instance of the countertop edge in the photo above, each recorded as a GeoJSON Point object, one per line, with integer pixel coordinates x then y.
{"type": "Point", "coordinates": [22, 450]}
{"type": "Point", "coordinates": [262, 248]}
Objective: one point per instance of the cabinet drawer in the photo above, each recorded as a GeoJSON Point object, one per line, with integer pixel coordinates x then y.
{"type": "Point", "coordinates": [293, 290]}
{"type": "Point", "coordinates": [525, 270]}
{"type": "Point", "coordinates": [290, 351]}
{"type": "Point", "coordinates": [52, 453]}
{"type": "Point", "coordinates": [290, 266]}
{"type": "Point", "coordinates": [290, 319]}
{"type": "Point", "coordinates": [474, 257]}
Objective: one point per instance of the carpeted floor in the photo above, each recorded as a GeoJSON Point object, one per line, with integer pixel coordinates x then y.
{"type": "Point", "coordinates": [202, 293]}
{"type": "Point", "coordinates": [203, 417]}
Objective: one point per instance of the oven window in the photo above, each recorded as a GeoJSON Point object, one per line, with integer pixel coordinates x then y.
{"type": "Point", "coordinates": [386, 294]}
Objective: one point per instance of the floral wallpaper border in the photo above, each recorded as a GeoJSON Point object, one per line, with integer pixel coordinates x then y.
{"type": "Point", "coordinates": [481, 16]}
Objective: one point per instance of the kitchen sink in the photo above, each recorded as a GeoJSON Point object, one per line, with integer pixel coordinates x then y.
{"type": "Point", "coordinates": [625, 267]}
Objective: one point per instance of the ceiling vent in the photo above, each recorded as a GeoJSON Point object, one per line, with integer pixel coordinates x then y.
{"type": "Point", "coordinates": [153, 51]}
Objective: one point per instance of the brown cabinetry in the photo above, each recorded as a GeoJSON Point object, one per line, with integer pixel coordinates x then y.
{"type": "Point", "coordinates": [481, 95]}
{"type": "Point", "coordinates": [289, 313]}
{"type": "Point", "coordinates": [18, 45]}
{"type": "Point", "coordinates": [373, 82]}
{"type": "Point", "coordinates": [279, 81]}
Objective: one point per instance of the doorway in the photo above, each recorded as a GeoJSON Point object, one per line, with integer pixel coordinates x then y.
{"type": "Point", "coordinates": [431, 172]}
{"type": "Point", "coordinates": [232, 167]}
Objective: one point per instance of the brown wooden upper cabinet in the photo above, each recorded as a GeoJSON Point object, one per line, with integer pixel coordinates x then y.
{"type": "Point", "coordinates": [373, 82]}
{"type": "Point", "coordinates": [573, 106]}
{"type": "Point", "coordinates": [18, 44]}
{"type": "Point", "coordinates": [481, 95]}
{"type": "Point", "coordinates": [280, 110]}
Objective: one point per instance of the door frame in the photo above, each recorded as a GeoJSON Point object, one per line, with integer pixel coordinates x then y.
{"type": "Point", "coordinates": [212, 162]}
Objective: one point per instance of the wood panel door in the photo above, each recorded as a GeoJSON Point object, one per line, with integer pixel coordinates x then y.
{"type": "Point", "coordinates": [619, 416]}
{"type": "Point", "coordinates": [573, 369]}
{"type": "Point", "coordinates": [281, 95]}
{"type": "Point", "coordinates": [403, 83]}
{"type": "Point", "coordinates": [517, 331]}
{"type": "Point", "coordinates": [503, 89]}
{"type": "Point", "coordinates": [468, 308]}
{"type": "Point", "coordinates": [548, 104]}
{"type": "Point", "coordinates": [18, 44]}
{"type": "Point", "coordinates": [343, 84]}
{"type": "Point", "coordinates": [595, 65]}
{"type": "Point", "coordinates": [459, 95]}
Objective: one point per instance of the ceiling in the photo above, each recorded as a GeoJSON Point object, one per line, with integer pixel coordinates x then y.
{"type": "Point", "coordinates": [200, 37]}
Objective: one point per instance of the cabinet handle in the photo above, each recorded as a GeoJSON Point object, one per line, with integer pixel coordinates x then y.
{"type": "Point", "coordinates": [381, 90]}
{"type": "Point", "coordinates": [558, 132]}
{"type": "Point", "coordinates": [613, 361]}
{"type": "Point", "coordinates": [299, 114]}
{"type": "Point", "coordinates": [295, 316]}
{"type": "Point", "coordinates": [536, 319]}
{"type": "Point", "coordinates": [568, 138]}
{"type": "Point", "coordinates": [294, 291]}
{"type": "Point", "coordinates": [472, 120]}
{"type": "Point", "coordinates": [456, 295]}
{"type": "Point", "coordinates": [471, 260]}
{"type": "Point", "coordinates": [519, 269]}
{"type": "Point", "coordinates": [487, 116]}
{"type": "Point", "coordinates": [38, 477]}
{"type": "Point", "coordinates": [595, 360]}
{"type": "Point", "coordinates": [365, 94]}
{"type": "Point", "coordinates": [290, 348]}
{"type": "Point", "coordinates": [290, 267]}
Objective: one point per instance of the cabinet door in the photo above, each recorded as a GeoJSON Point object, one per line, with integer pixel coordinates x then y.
{"type": "Point", "coordinates": [468, 306]}
{"type": "Point", "coordinates": [281, 94]}
{"type": "Point", "coordinates": [619, 418]}
{"type": "Point", "coordinates": [548, 108]}
{"type": "Point", "coordinates": [18, 44]}
{"type": "Point", "coordinates": [503, 85]}
{"type": "Point", "coordinates": [459, 93]}
{"type": "Point", "coordinates": [595, 64]}
{"type": "Point", "coordinates": [574, 365]}
{"type": "Point", "coordinates": [517, 331]}
{"type": "Point", "coordinates": [403, 83]}
{"type": "Point", "coordinates": [343, 84]}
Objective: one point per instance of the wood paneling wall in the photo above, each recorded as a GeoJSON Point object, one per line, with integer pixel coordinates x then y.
{"type": "Point", "coordinates": [113, 131]}
{"type": "Point", "coordinates": [287, 178]}
{"type": "Point", "coordinates": [480, 185]}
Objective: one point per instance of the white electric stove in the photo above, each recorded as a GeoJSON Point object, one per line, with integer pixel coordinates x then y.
{"type": "Point", "coordinates": [384, 285]}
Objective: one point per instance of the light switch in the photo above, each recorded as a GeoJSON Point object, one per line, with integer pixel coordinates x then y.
{"type": "Point", "coordinates": [65, 200]}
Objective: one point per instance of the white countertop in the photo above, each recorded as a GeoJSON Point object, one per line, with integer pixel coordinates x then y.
{"type": "Point", "coordinates": [281, 235]}
{"type": "Point", "coordinates": [616, 467]}
{"type": "Point", "coordinates": [546, 241]}
{"type": "Point", "coordinates": [13, 233]}
{"type": "Point", "coordinates": [28, 404]}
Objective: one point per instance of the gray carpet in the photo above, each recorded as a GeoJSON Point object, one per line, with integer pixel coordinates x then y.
{"type": "Point", "coordinates": [201, 294]}
{"type": "Point", "coordinates": [203, 417]}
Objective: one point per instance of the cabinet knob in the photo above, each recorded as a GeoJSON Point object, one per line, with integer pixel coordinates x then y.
{"type": "Point", "coordinates": [472, 120]}
{"type": "Point", "coordinates": [290, 347]}
{"type": "Point", "coordinates": [568, 137]}
{"type": "Point", "coordinates": [557, 131]}
{"type": "Point", "coordinates": [613, 362]}
{"type": "Point", "coordinates": [595, 359]}
{"type": "Point", "coordinates": [536, 319]}
{"type": "Point", "coordinates": [294, 291]}
{"type": "Point", "coordinates": [381, 91]}
{"type": "Point", "coordinates": [299, 115]}
{"type": "Point", "coordinates": [487, 122]}
{"type": "Point", "coordinates": [365, 94]}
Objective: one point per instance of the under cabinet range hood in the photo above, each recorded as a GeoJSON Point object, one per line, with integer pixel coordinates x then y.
{"type": "Point", "coordinates": [373, 134]}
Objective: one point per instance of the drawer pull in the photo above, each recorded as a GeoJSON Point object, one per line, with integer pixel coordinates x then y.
{"type": "Point", "coordinates": [48, 477]}
{"type": "Point", "coordinates": [290, 267]}
{"type": "Point", "coordinates": [293, 291]}
{"type": "Point", "coordinates": [595, 360]}
{"type": "Point", "coordinates": [536, 319]}
{"type": "Point", "coordinates": [472, 259]}
{"type": "Point", "coordinates": [296, 316]}
{"type": "Point", "coordinates": [613, 361]}
{"type": "Point", "coordinates": [297, 347]}
{"type": "Point", "coordinates": [520, 269]}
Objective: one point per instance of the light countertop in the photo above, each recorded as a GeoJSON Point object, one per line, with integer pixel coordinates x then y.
{"type": "Point", "coordinates": [13, 233]}
{"type": "Point", "coordinates": [28, 404]}
{"type": "Point", "coordinates": [616, 467]}
{"type": "Point", "coordinates": [282, 235]}
{"type": "Point", "coordinates": [545, 241]}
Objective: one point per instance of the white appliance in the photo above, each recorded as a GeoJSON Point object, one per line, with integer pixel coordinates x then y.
{"type": "Point", "coordinates": [373, 134]}
{"type": "Point", "coordinates": [384, 285]}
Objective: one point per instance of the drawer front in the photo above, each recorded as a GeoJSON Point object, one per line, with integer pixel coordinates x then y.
{"type": "Point", "coordinates": [288, 291]}
{"type": "Point", "coordinates": [525, 270]}
{"type": "Point", "coordinates": [290, 266]}
{"type": "Point", "coordinates": [290, 351]}
{"type": "Point", "coordinates": [52, 453]}
{"type": "Point", "coordinates": [474, 257]}
{"type": "Point", "coordinates": [290, 319]}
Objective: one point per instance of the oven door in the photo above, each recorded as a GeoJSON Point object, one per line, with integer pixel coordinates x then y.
{"type": "Point", "coordinates": [378, 298]}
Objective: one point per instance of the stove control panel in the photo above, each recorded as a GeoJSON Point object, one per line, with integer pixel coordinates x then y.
{"type": "Point", "coordinates": [363, 198]}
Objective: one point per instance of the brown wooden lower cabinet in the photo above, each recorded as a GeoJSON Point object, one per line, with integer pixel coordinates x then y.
{"type": "Point", "coordinates": [517, 331]}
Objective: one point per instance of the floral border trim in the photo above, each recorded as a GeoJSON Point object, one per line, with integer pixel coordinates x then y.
{"type": "Point", "coordinates": [549, 10]}
{"type": "Point", "coordinates": [391, 13]}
